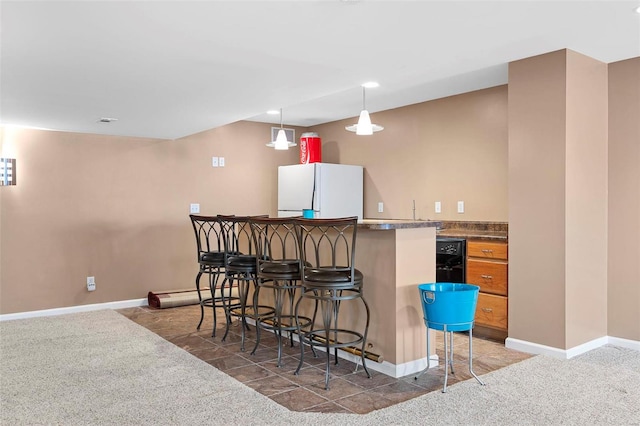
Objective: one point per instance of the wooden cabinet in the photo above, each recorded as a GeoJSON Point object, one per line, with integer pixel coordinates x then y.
{"type": "Point", "coordinates": [487, 267]}
{"type": "Point", "coordinates": [492, 311]}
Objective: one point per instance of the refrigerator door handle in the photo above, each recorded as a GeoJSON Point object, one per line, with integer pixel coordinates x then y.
{"type": "Point", "coordinates": [313, 193]}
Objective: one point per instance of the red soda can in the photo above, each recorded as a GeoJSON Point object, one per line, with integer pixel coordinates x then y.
{"type": "Point", "coordinates": [310, 148]}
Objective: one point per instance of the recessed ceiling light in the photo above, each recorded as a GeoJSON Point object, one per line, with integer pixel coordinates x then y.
{"type": "Point", "coordinates": [273, 112]}
{"type": "Point", "coordinates": [370, 84]}
{"type": "Point", "coordinates": [107, 120]}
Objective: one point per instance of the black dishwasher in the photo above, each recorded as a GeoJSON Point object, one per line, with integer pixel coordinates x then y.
{"type": "Point", "coordinates": [451, 256]}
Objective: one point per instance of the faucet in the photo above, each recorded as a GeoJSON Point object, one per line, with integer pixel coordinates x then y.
{"type": "Point", "coordinates": [414, 209]}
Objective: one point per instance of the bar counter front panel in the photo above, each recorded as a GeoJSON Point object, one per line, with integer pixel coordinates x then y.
{"type": "Point", "coordinates": [396, 256]}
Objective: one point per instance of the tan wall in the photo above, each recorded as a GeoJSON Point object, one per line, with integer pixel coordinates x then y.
{"type": "Point", "coordinates": [537, 199]}
{"type": "Point", "coordinates": [557, 199]}
{"type": "Point", "coordinates": [445, 150]}
{"type": "Point", "coordinates": [586, 202]}
{"type": "Point", "coordinates": [624, 200]}
{"type": "Point", "coordinates": [117, 209]}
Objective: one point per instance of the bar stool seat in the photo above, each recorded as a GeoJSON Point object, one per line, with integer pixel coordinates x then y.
{"type": "Point", "coordinates": [287, 268]}
{"type": "Point", "coordinates": [213, 258]}
{"type": "Point", "coordinates": [334, 278]}
{"type": "Point", "coordinates": [242, 263]}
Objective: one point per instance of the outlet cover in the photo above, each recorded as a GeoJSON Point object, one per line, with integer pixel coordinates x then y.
{"type": "Point", "coordinates": [438, 207]}
{"type": "Point", "coordinates": [460, 206]}
{"type": "Point", "coordinates": [214, 161]}
{"type": "Point", "coordinates": [91, 283]}
{"type": "Point", "coordinates": [194, 208]}
{"type": "Point", "coordinates": [221, 161]}
{"type": "Point", "coordinates": [380, 207]}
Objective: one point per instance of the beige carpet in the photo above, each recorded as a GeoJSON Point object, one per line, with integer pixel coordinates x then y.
{"type": "Point", "coordinates": [99, 368]}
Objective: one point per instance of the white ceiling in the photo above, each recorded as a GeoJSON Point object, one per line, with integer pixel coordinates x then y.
{"type": "Point", "coordinates": [170, 69]}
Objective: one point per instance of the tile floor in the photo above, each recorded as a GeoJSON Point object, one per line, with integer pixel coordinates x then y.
{"type": "Point", "coordinates": [349, 392]}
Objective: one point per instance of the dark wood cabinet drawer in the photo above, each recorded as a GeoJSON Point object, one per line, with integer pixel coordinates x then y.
{"type": "Point", "coordinates": [487, 250]}
{"type": "Point", "coordinates": [491, 276]}
{"type": "Point", "coordinates": [492, 311]}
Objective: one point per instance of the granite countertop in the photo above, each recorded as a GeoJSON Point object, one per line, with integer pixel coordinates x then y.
{"type": "Point", "coordinates": [397, 224]}
{"type": "Point", "coordinates": [473, 234]}
{"type": "Point", "coordinates": [488, 231]}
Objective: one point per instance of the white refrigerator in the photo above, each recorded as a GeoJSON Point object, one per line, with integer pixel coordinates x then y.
{"type": "Point", "coordinates": [331, 190]}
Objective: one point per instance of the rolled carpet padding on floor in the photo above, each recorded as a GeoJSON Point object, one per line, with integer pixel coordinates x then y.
{"type": "Point", "coordinates": [173, 298]}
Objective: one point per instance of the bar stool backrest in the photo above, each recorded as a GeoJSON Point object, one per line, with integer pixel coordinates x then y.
{"type": "Point", "coordinates": [275, 239]}
{"type": "Point", "coordinates": [236, 235]}
{"type": "Point", "coordinates": [209, 240]}
{"type": "Point", "coordinates": [327, 249]}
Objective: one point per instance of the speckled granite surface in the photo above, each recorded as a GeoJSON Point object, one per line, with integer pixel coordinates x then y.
{"type": "Point", "coordinates": [488, 231]}
{"type": "Point", "coordinates": [383, 224]}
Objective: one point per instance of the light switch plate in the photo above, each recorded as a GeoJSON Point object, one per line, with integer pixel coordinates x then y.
{"type": "Point", "coordinates": [380, 207]}
{"type": "Point", "coordinates": [438, 207]}
{"type": "Point", "coordinates": [460, 206]}
{"type": "Point", "coordinates": [221, 161]}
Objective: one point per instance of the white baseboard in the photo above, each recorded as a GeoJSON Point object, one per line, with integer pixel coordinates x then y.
{"type": "Point", "coordinates": [80, 308]}
{"type": "Point", "coordinates": [625, 343]}
{"type": "Point", "coordinates": [538, 349]}
{"type": "Point", "coordinates": [407, 368]}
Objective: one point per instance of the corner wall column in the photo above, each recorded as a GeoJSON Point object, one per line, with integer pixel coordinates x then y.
{"type": "Point", "coordinates": [558, 126]}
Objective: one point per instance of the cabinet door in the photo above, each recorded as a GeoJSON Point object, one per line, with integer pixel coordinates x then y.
{"type": "Point", "coordinates": [491, 311]}
{"type": "Point", "coordinates": [491, 276]}
{"type": "Point", "coordinates": [487, 250]}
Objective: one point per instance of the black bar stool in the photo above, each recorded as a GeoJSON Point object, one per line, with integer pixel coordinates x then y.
{"type": "Point", "coordinates": [278, 269]}
{"type": "Point", "coordinates": [328, 250]}
{"type": "Point", "coordinates": [240, 268]}
{"type": "Point", "coordinates": [210, 253]}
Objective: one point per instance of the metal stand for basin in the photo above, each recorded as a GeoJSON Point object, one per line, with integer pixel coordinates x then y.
{"type": "Point", "coordinates": [448, 355]}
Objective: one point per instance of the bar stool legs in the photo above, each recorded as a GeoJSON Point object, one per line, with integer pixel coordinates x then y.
{"type": "Point", "coordinates": [282, 319]}
{"type": "Point", "coordinates": [327, 335]}
{"type": "Point", "coordinates": [217, 299]}
{"type": "Point", "coordinates": [213, 281]}
{"type": "Point", "coordinates": [202, 304]}
{"type": "Point", "coordinates": [239, 310]}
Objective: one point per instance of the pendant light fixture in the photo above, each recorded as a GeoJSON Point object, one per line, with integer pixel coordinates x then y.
{"type": "Point", "coordinates": [364, 126]}
{"type": "Point", "coordinates": [281, 141]}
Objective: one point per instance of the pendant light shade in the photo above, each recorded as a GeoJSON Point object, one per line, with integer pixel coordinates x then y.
{"type": "Point", "coordinates": [281, 142]}
{"type": "Point", "coordinates": [364, 126]}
